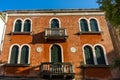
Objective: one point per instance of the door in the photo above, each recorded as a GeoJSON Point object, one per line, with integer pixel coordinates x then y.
{"type": "Point", "coordinates": [56, 53]}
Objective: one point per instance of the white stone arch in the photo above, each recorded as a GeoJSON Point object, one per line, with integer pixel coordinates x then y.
{"type": "Point", "coordinates": [61, 51]}
{"type": "Point", "coordinates": [10, 51]}
{"type": "Point", "coordinates": [87, 23]}
{"type": "Point", "coordinates": [15, 22]}
{"type": "Point", "coordinates": [84, 53]}
{"type": "Point", "coordinates": [97, 23]}
{"type": "Point", "coordinates": [105, 56]}
{"type": "Point", "coordinates": [52, 19]}
{"type": "Point", "coordinates": [30, 21]}
{"type": "Point", "coordinates": [28, 53]}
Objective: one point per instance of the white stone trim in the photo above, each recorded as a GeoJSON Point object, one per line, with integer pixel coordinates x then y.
{"type": "Point", "coordinates": [15, 22]}
{"type": "Point", "coordinates": [99, 29]}
{"type": "Point", "coordinates": [22, 22]}
{"type": "Point", "coordinates": [10, 52]}
{"type": "Point", "coordinates": [57, 14]}
{"type": "Point", "coordinates": [30, 23]}
{"type": "Point", "coordinates": [105, 56]}
{"type": "Point", "coordinates": [80, 25]}
{"type": "Point", "coordinates": [88, 22]}
{"type": "Point", "coordinates": [61, 51]}
{"type": "Point", "coordinates": [19, 52]}
{"type": "Point", "coordinates": [94, 54]}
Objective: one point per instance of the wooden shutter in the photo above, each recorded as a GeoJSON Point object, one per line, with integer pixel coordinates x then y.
{"type": "Point", "coordinates": [24, 55]}
{"type": "Point", "coordinates": [100, 55]}
{"type": "Point", "coordinates": [88, 55]}
{"type": "Point", "coordinates": [18, 26]}
{"type": "Point", "coordinates": [27, 26]}
{"type": "Point", "coordinates": [84, 25]}
{"type": "Point", "coordinates": [14, 55]}
{"type": "Point", "coordinates": [56, 54]}
{"type": "Point", "coordinates": [93, 25]}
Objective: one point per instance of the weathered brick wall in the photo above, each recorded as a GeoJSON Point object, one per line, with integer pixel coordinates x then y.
{"type": "Point", "coordinates": [36, 39]}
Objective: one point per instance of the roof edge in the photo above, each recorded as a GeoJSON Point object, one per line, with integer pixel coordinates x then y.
{"type": "Point", "coordinates": [54, 10]}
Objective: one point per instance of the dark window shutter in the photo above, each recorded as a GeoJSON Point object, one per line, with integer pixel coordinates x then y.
{"type": "Point", "coordinates": [93, 25]}
{"type": "Point", "coordinates": [56, 54]}
{"type": "Point", "coordinates": [24, 55]}
{"type": "Point", "coordinates": [100, 55]}
{"type": "Point", "coordinates": [84, 25]}
{"type": "Point", "coordinates": [27, 26]}
{"type": "Point", "coordinates": [18, 26]}
{"type": "Point", "coordinates": [88, 55]}
{"type": "Point", "coordinates": [14, 55]}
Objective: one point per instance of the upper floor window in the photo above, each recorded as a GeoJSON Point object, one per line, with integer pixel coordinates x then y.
{"type": "Point", "coordinates": [18, 26]}
{"type": "Point", "coordinates": [84, 25]}
{"type": "Point", "coordinates": [54, 23]}
{"type": "Point", "coordinates": [19, 55]}
{"type": "Point", "coordinates": [88, 55]}
{"type": "Point", "coordinates": [27, 26]}
{"type": "Point", "coordinates": [99, 55]}
{"type": "Point", "coordinates": [89, 26]}
{"type": "Point", "coordinates": [22, 26]}
{"type": "Point", "coordinates": [93, 25]}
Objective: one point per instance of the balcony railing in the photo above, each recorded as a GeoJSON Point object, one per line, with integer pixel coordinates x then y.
{"type": "Point", "coordinates": [56, 70]}
{"type": "Point", "coordinates": [55, 33]}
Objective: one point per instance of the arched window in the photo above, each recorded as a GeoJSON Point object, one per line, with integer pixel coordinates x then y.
{"type": "Point", "coordinates": [27, 26]}
{"type": "Point", "coordinates": [14, 55]}
{"type": "Point", "coordinates": [88, 55]}
{"type": "Point", "coordinates": [84, 25]}
{"type": "Point", "coordinates": [56, 53]}
{"type": "Point", "coordinates": [94, 25]}
{"type": "Point", "coordinates": [24, 55]}
{"type": "Point", "coordinates": [100, 55]}
{"type": "Point", "coordinates": [54, 23]}
{"type": "Point", "coordinates": [18, 26]}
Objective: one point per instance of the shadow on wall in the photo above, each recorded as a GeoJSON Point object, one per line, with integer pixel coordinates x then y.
{"type": "Point", "coordinates": [22, 71]}
{"type": "Point", "coordinates": [40, 38]}
{"type": "Point", "coordinates": [99, 72]}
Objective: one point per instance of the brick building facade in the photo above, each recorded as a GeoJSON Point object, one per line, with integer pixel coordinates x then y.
{"type": "Point", "coordinates": [57, 44]}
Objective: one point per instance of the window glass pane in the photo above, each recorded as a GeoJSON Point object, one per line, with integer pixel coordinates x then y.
{"type": "Point", "coordinates": [84, 25]}
{"type": "Point", "coordinates": [93, 25]}
{"type": "Point", "coordinates": [24, 55]}
{"type": "Point", "coordinates": [100, 55]}
{"type": "Point", "coordinates": [18, 25]}
{"type": "Point", "coordinates": [14, 55]}
{"type": "Point", "coordinates": [88, 55]}
{"type": "Point", "coordinates": [27, 26]}
{"type": "Point", "coordinates": [54, 23]}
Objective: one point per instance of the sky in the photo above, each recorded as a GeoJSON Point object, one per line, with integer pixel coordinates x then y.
{"type": "Point", "coordinates": [46, 4]}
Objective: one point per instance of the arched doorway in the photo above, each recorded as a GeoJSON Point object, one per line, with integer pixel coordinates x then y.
{"type": "Point", "coordinates": [56, 55]}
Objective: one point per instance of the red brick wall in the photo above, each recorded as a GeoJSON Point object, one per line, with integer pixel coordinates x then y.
{"type": "Point", "coordinates": [36, 39]}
